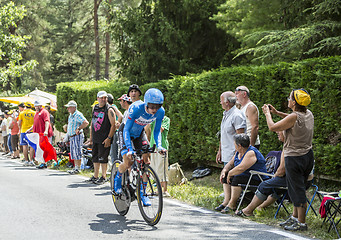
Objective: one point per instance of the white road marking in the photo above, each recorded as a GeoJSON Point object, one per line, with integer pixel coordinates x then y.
{"type": "Point", "coordinates": [189, 207]}
{"type": "Point", "coordinates": [288, 234]}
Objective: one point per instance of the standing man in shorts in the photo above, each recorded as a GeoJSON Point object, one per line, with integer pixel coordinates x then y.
{"type": "Point", "coordinates": [76, 123]}
{"type": "Point", "coordinates": [41, 125]}
{"type": "Point", "coordinates": [157, 161]}
{"type": "Point", "coordinates": [101, 135]}
{"type": "Point", "coordinates": [26, 119]}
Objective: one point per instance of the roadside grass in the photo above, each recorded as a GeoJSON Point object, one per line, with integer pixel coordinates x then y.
{"type": "Point", "coordinates": [205, 192]}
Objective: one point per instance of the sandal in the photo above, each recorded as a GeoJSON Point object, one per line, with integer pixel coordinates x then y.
{"type": "Point", "coordinates": [240, 213]}
{"type": "Point", "coordinates": [220, 207]}
{"type": "Point", "coordinates": [227, 209]}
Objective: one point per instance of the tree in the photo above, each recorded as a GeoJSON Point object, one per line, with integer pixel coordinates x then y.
{"type": "Point", "coordinates": [12, 46]}
{"type": "Point", "coordinates": [282, 30]}
{"type": "Point", "coordinates": [161, 37]}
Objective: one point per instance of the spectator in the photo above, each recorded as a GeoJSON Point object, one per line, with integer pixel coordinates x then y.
{"type": "Point", "coordinates": [125, 103]}
{"type": "Point", "coordinates": [251, 113]}
{"type": "Point", "coordinates": [114, 146]}
{"type": "Point", "coordinates": [74, 132]}
{"type": "Point", "coordinates": [48, 108]}
{"type": "Point", "coordinates": [14, 134]}
{"type": "Point", "coordinates": [237, 172]}
{"type": "Point", "coordinates": [8, 120]}
{"type": "Point", "coordinates": [101, 135]}
{"type": "Point", "coordinates": [4, 133]}
{"type": "Point", "coordinates": [158, 163]}
{"type": "Point", "coordinates": [233, 123]}
{"type": "Point", "coordinates": [42, 125]}
{"type": "Point", "coordinates": [134, 92]}
{"type": "Point", "coordinates": [270, 191]}
{"type": "Point", "coordinates": [26, 119]}
{"type": "Point", "coordinates": [298, 154]}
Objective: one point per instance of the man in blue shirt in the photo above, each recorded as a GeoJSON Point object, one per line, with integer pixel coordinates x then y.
{"type": "Point", "coordinates": [140, 114]}
{"type": "Point", "coordinates": [75, 126]}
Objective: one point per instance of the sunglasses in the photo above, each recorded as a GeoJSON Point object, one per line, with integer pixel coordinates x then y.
{"type": "Point", "coordinates": [154, 106]}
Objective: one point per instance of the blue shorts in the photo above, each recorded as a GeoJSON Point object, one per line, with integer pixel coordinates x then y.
{"type": "Point", "coordinates": [23, 142]}
{"type": "Point", "coordinates": [76, 143]}
{"type": "Point", "coordinates": [137, 143]}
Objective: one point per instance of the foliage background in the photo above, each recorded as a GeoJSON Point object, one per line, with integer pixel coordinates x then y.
{"type": "Point", "coordinates": [192, 103]}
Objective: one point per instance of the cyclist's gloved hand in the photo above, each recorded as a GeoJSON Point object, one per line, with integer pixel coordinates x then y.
{"type": "Point", "coordinates": [130, 151]}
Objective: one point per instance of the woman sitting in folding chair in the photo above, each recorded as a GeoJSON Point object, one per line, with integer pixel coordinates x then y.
{"type": "Point", "coordinates": [237, 170]}
{"type": "Point", "coordinates": [299, 158]}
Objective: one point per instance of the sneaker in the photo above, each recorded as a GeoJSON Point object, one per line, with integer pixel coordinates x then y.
{"type": "Point", "coordinates": [118, 183]}
{"type": "Point", "coordinates": [297, 226]}
{"type": "Point", "coordinates": [73, 171]}
{"type": "Point", "coordinates": [91, 180]}
{"type": "Point", "coordinates": [41, 166]}
{"type": "Point", "coordinates": [31, 164]}
{"type": "Point", "coordinates": [101, 180]}
{"type": "Point", "coordinates": [291, 220]}
{"type": "Point", "coordinates": [26, 163]}
{"type": "Point", "coordinates": [166, 194]}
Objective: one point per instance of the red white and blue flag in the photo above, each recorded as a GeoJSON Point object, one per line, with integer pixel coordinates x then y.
{"type": "Point", "coordinates": [44, 151]}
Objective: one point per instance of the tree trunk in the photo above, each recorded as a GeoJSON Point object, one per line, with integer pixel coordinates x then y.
{"type": "Point", "coordinates": [96, 5]}
{"type": "Point", "coordinates": [107, 48]}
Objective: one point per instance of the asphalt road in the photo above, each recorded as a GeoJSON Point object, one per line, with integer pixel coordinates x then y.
{"type": "Point", "coordinates": [48, 204]}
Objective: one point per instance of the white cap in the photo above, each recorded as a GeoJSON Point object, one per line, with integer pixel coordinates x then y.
{"type": "Point", "coordinates": [102, 94]}
{"type": "Point", "coordinates": [71, 104]}
{"type": "Point", "coordinates": [37, 103]}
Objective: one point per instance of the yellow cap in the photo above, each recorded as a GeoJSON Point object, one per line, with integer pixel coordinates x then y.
{"type": "Point", "coordinates": [302, 97]}
{"type": "Point", "coordinates": [10, 112]}
{"type": "Point", "coordinates": [28, 104]}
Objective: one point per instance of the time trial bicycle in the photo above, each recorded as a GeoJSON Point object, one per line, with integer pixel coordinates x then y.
{"type": "Point", "coordinates": [132, 188]}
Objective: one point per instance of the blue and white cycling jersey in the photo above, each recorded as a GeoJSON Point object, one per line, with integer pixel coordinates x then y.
{"type": "Point", "coordinates": [138, 118]}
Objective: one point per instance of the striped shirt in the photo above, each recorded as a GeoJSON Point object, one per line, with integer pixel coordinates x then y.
{"type": "Point", "coordinates": [75, 120]}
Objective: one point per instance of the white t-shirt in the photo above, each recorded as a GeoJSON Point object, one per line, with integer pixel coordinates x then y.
{"type": "Point", "coordinates": [233, 120]}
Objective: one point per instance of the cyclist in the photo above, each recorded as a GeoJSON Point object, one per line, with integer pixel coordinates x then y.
{"type": "Point", "coordinates": [132, 135]}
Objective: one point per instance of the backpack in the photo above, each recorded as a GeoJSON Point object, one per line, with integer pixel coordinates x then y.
{"type": "Point", "coordinates": [176, 175]}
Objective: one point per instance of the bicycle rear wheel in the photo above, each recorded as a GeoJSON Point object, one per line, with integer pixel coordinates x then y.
{"type": "Point", "coordinates": [121, 201]}
{"type": "Point", "coordinates": [151, 214]}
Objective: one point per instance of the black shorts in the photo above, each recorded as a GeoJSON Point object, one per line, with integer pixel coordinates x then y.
{"type": "Point", "coordinates": [100, 153]}
{"type": "Point", "coordinates": [137, 143]}
{"type": "Point", "coordinates": [297, 170]}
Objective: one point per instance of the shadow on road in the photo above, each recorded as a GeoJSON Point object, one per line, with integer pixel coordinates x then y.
{"type": "Point", "coordinates": [115, 224]}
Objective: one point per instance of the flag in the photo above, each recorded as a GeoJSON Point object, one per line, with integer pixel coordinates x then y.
{"type": "Point", "coordinates": [44, 151]}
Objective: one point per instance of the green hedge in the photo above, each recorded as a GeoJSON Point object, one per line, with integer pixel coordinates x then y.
{"type": "Point", "coordinates": [192, 103]}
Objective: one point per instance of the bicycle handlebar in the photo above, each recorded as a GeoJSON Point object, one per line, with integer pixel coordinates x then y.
{"type": "Point", "coordinates": [146, 150]}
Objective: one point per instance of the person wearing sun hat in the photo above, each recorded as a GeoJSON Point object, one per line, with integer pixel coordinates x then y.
{"type": "Point", "coordinates": [298, 128]}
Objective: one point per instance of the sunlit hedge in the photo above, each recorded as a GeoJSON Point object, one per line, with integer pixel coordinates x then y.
{"type": "Point", "coordinates": [192, 103]}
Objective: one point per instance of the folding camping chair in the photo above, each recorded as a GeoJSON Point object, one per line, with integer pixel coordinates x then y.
{"type": "Point", "coordinates": [330, 208]}
{"type": "Point", "coordinates": [309, 202]}
{"type": "Point", "coordinates": [272, 163]}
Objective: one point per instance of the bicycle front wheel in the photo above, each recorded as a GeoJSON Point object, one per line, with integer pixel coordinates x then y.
{"type": "Point", "coordinates": [121, 201]}
{"type": "Point", "coordinates": [152, 190]}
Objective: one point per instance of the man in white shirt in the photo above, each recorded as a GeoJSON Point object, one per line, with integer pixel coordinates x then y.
{"type": "Point", "coordinates": [251, 113]}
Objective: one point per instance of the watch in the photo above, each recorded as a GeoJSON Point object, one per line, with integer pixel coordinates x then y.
{"type": "Point", "coordinates": [109, 138]}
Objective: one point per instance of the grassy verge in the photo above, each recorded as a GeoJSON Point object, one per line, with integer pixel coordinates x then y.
{"type": "Point", "coordinates": [205, 192]}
